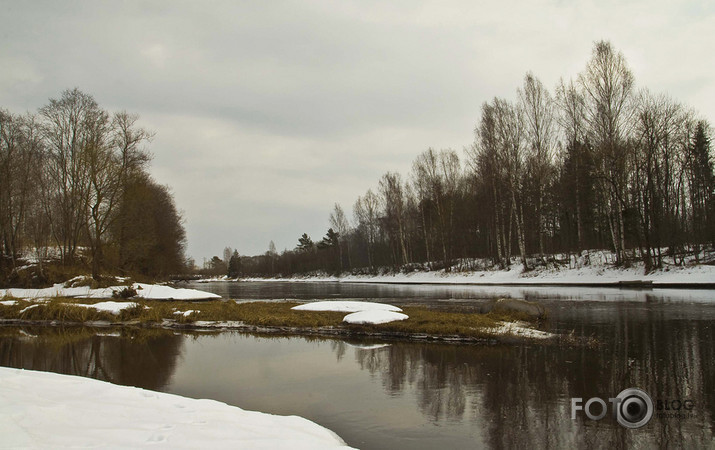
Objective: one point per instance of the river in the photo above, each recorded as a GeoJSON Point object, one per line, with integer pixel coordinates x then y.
{"type": "Point", "coordinates": [421, 395]}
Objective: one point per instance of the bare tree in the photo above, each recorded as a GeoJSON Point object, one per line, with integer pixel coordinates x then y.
{"type": "Point", "coordinates": [393, 201]}
{"type": "Point", "coordinates": [365, 212]}
{"type": "Point", "coordinates": [20, 160]}
{"type": "Point", "coordinates": [538, 107]}
{"type": "Point", "coordinates": [572, 119]}
{"type": "Point", "coordinates": [70, 128]}
{"type": "Point", "coordinates": [510, 133]}
{"type": "Point", "coordinates": [339, 223]}
{"type": "Point", "coordinates": [607, 85]}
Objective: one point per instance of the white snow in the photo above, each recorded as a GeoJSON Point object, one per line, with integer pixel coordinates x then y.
{"type": "Point", "coordinates": [8, 303]}
{"type": "Point", "coordinates": [599, 270]}
{"type": "Point", "coordinates": [185, 313]}
{"type": "Point", "coordinates": [146, 291]}
{"type": "Point", "coordinates": [374, 317]}
{"type": "Point", "coordinates": [361, 312]}
{"type": "Point", "coordinates": [29, 308]}
{"type": "Point", "coordinates": [520, 329]}
{"type": "Point", "coordinates": [111, 307]}
{"type": "Point", "coordinates": [158, 292]}
{"type": "Point", "coordinates": [346, 306]}
{"type": "Point", "coordinates": [47, 410]}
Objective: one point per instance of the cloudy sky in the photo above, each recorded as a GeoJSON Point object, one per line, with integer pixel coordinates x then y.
{"type": "Point", "coordinates": [266, 113]}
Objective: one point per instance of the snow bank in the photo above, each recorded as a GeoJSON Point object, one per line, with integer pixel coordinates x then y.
{"type": "Point", "coordinates": [110, 307]}
{"type": "Point", "coordinates": [598, 272]}
{"type": "Point", "coordinates": [158, 292]}
{"type": "Point", "coordinates": [47, 410]}
{"type": "Point", "coordinates": [146, 291]}
{"type": "Point", "coordinates": [374, 317]}
{"type": "Point", "coordinates": [346, 306]}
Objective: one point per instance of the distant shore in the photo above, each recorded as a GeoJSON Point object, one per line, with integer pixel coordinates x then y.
{"type": "Point", "coordinates": [597, 275]}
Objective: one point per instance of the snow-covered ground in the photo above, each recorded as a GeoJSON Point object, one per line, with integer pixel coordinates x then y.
{"type": "Point", "coordinates": [576, 274]}
{"type": "Point", "coordinates": [145, 291]}
{"type": "Point", "coordinates": [520, 329]}
{"type": "Point", "coordinates": [346, 306]}
{"type": "Point", "coordinates": [110, 307]}
{"type": "Point", "coordinates": [360, 312]}
{"type": "Point", "coordinates": [47, 410]}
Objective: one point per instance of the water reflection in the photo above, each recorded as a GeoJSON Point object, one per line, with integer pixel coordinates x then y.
{"type": "Point", "coordinates": [495, 396]}
{"type": "Point", "coordinates": [445, 293]}
{"type": "Point", "coordinates": [420, 395]}
{"type": "Point", "coordinates": [129, 357]}
{"type": "Point", "coordinates": [521, 395]}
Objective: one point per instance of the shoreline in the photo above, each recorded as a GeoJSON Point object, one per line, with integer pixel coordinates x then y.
{"type": "Point", "coordinates": [701, 277]}
{"type": "Point", "coordinates": [506, 322]}
{"type": "Point", "coordinates": [324, 332]}
{"type": "Point", "coordinates": [634, 284]}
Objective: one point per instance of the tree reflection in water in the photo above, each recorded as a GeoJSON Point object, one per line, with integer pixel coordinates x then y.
{"type": "Point", "coordinates": [520, 395]}
{"type": "Point", "coordinates": [499, 396]}
{"type": "Point", "coordinates": [140, 358]}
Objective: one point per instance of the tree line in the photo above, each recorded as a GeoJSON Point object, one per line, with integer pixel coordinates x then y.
{"type": "Point", "coordinates": [74, 187]}
{"type": "Point", "coordinates": [593, 164]}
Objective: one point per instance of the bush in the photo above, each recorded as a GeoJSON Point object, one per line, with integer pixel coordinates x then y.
{"type": "Point", "coordinates": [127, 292]}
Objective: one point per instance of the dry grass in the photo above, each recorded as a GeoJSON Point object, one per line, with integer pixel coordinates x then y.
{"type": "Point", "coordinates": [421, 320]}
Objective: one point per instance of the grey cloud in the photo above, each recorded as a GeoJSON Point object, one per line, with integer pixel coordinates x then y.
{"type": "Point", "coordinates": [311, 101]}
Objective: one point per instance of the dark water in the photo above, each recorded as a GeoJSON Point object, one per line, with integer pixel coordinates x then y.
{"type": "Point", "coordinates": [414, 395]}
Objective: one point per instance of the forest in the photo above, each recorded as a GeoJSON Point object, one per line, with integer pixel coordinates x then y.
{"type": "Point", "coordinates": [76, 195]}
{"type": "Point", "coordinates": [596, 163]}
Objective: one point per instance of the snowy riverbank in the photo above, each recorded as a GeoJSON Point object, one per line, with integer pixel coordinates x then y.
{"type": "Point", "coordinates": [143, 290]}
{"type": "Point", "coordinates": [47, 410]}
{"type": "Point", "coordinates": [596, 275]}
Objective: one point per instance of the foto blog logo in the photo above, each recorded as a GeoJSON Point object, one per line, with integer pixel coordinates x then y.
{"type": "Point", "coordinates": [632, 408]}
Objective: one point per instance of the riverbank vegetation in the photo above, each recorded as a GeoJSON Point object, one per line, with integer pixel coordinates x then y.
{"type": "Point", "coordinates": [423, 322]}
{"type": "Point", "coordinates": [76, 196]}
{"type": "Point", "coordinates": [595, 163]}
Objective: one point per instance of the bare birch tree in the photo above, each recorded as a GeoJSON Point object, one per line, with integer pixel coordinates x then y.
{"type": "Point", "coordinates": [538, 107]}
{"type": "Point", "coordinates": [607, 85]}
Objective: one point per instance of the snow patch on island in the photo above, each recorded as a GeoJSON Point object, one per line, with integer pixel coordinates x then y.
{"type": "Point", "coordinates": [360, 312]}
{"type": "Point", "coordinates": [47, 410]}
{"type": "Point", "coordinates": [346, 306]}
{"type": "Point", "coordinates": [374, 317]}
{"type": "Point", "coordinates": [110, 307]}
{"type": "Point", "coordinates": [520, 329]}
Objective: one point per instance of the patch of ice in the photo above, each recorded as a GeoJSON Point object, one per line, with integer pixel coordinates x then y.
{"type": "Point", "coordinates": [47, 410]}
{"type": "Point", "coordinates": [374, 317]}
{"type": "Point", "coordinates": [8, 303]}
{"type": "Point", "coordinates": [346, 306]}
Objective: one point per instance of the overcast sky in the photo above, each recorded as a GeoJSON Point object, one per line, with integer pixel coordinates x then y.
{"type": "Point", "coordinates": [266, 113]}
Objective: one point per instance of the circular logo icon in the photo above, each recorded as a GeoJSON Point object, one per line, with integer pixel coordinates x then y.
{"type": "Point", "coordinates": [635, 408]}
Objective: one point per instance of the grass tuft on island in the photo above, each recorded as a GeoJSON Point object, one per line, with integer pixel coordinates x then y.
{"type": "Point", "coordinates": [271, 316]}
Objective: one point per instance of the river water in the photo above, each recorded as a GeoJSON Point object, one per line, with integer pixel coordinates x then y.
{"type": "Point", "coordinates": [422, 395]}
